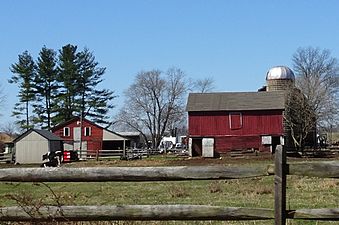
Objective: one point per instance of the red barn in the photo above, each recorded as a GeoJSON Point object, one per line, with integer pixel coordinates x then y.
{"type": "Point", "coordinates": [91, 137]}
{"type": "Point", "coordinates": [221, 122]}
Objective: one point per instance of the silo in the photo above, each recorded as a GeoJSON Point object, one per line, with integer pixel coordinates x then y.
{"type": "Point", "coordinates": [279, 78]}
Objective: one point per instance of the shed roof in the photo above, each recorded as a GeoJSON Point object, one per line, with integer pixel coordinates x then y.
{"type": "Point", "coordinates": [112, 136]}
{"type": "Point", "coordinates": [128, 133]}
{"type": "Point", "coordinates": [48, 135]}
{"type": "Point", "coordinates": [45, 133]}
{"type": "Point", "coordinates": [236, 101]}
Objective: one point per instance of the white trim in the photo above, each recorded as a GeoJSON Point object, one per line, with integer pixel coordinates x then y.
{"type": "Point", "coordinates": [89, 131]}
{"type": "Point", "coordinates": [68, 131]}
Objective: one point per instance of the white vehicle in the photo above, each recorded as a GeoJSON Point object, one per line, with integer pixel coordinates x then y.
{"type": "Point", "coordinates": [167, 143]}
{"type": "Point", "coordinates": [178, 145]}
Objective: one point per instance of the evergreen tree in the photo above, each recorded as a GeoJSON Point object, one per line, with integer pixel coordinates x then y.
{"type": "Point", "coordinates": [60, 87]}
{"type": "Point", "coordinates": [68, 78]}
{"type": "Point", "coordinates": [93, 103]}
{"type": "Point", "coordinates": [100, 104]}
{"type": "Point", "coordinates": [46, 87]}
{"type": "Point", "coordinates": [23, 75]}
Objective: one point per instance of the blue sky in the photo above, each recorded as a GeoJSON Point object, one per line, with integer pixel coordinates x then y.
{"type": "Point", "coordinates": [234, 41]}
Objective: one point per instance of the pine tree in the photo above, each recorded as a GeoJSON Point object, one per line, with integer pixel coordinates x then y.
{"type": "Point", "coordinates": [24, 75]}
{"type": "Point", "coordinates": [93, 103]}
{"type": "Point", "coordinates": [68, 78]}
{"type": "Point", "coordinates": [60, 87]}
{"type": "Point", "coordinates": [46, 86]}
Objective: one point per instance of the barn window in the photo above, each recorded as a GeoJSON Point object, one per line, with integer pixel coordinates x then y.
{"type": "Point", "coordinates": [87, 131]}
{"type": "Point", "coordinates": [235, 120]}
{"type": "Point", "coordinates": [67, 131]}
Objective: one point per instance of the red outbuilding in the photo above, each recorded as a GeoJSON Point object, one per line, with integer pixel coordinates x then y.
{"type": "Point", "coordinates": [91, 137]}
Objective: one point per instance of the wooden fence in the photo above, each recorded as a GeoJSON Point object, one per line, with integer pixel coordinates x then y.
{"type": "Point", "coordinates": [6, 157]}
{"type": "Point", "coordinates": [328, 169]}
{"type": "Point", "coordinates": [96, 154]}
{"type": "Point", "coordinates": [119, 153]}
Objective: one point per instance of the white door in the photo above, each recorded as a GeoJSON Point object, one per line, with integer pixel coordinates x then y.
{"type": "Point", "coordinates": [76, 134]}
{"type": "Point", "coordinates": [208, 147]}
{"type": "Point", "coordinates": [190, 147]}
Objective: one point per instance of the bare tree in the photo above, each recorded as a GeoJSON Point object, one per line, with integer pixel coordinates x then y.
{"type": "Point", "coordinates": [2, 98]}
{"type": "Point", "coordinates": [10, 128]}
{"type": "Point", "coordinates": [299, 119]}
{"type": "Point", "coordinates": [154, 103]}
{"type": "Point", "coordinates": [204, 85]}
{"type": "Point", "coordinates": [317, 77]}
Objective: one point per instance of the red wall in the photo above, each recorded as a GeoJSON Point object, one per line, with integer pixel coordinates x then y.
{"type": "Point", "coordinates": [217, 125]}
{"type": "Point", "coordinates": [94, 141]}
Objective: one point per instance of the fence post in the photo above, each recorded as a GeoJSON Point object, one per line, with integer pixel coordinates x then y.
{"type": "Point", "coordinates": [97, 155]}
{"type": "Point", "coordinates": [280, 186]}
{"type": "Point", "coordinates": [124, 153]}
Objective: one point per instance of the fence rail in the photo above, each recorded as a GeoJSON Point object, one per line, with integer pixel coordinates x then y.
{"type": "Point", "coordinates": [105, 153]}
{"type": "Point", "coordinates": [152, 212]}
{"type": "Point", "coordinates": [134, 212]}
{"type": "Point", "coordinates": [128, 153]}
{"type": "Point", "coordinates": [280, 170]}
{"type": "Point", "coordinates": [6, 157]}
{"type": "Point", "coordinates": [101, 174]}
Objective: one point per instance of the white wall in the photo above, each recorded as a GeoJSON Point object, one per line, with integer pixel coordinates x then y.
{"type": "Point", "coordinates": [31, 148]}
{"type": "Point", "coordinates": [110, 136]}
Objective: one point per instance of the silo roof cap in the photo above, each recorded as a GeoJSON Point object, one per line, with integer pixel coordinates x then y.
{"type": "Point", "coordinates": [280, 73]}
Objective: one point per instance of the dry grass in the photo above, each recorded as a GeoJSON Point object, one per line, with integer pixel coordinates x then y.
{"type": "Point", "coordinates": [178, 191]}
{"type": "Point", "coordinates": [215, 187]}
{"type": "Point", "coordinates": [302, 192]}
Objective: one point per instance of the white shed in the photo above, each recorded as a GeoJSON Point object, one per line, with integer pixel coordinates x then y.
{"type": "Point", "coordinates": [31, 145]}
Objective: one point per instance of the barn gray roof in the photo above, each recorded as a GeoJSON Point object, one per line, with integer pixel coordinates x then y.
{"type": "Point", "coordinates": [48, 135]}
{"type": "Point", "coordinates": [45, 133]}
{"type": "Point", "coordinates": [235, 101]}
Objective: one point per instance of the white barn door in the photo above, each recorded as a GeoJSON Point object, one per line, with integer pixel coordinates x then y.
{"type": "Point", "coordinates": [208, 147]}
{"type": "Point", "coordinates": [76, 134]}
{"type": "Point", "coordinates": [190, 147]}
{"type": "Point", "coordinates": [77, 140]}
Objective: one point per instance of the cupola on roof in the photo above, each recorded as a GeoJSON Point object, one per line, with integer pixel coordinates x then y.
{"type": "Point", "coordinates": [280, 73]}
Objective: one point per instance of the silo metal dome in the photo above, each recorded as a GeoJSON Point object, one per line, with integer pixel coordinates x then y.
{"type": "Point", "coordinates": [280, 73]}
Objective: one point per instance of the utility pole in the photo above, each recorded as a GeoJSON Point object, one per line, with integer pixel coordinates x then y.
{"type": "Point", "coordinates": [82, 115]}
{"type": "Point", "coordinates": [80, 147]}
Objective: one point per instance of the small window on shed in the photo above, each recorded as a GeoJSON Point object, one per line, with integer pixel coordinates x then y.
{"type": "Point", "coordinates": [66, 131]}
{"type": "Point", "coordinates": [235, 120]}
{"type": "Point", "coordinates": [87, 131]}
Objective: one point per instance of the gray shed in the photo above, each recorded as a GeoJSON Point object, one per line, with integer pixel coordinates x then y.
{"type": "Point", "coordinates": [31, 145]}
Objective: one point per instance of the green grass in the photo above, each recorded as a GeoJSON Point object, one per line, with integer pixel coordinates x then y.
{"type": "Point", "coordinates": [302, 192]}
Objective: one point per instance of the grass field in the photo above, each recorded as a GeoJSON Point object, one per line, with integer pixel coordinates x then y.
{"type": "Point", "coordinates": [302, 192]}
